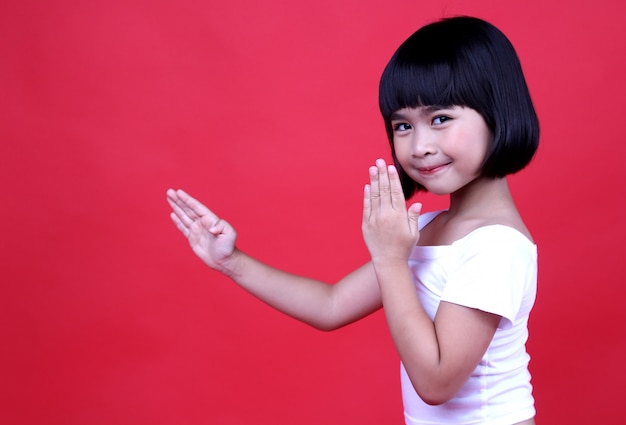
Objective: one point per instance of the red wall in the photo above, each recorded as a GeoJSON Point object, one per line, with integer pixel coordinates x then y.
{"type": "Point", "coordinates": [267, 111]}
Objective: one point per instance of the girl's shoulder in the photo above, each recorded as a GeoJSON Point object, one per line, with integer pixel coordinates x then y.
{"type": "Point", "coordinates": [495, 235]}
{"type": "Point", "coordinates": [447, 232]}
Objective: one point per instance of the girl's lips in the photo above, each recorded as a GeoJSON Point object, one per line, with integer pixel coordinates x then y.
{"type": "Point", "coordinates": [433, 169]}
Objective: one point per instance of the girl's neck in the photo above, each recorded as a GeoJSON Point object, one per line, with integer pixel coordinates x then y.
{"type": "Point", "coordinates": [484, 197]}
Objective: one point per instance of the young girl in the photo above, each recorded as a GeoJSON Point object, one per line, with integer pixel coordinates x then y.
{"type": "Point", "coordinates": [457, 286]}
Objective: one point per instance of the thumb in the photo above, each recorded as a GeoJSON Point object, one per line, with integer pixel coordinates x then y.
{"type": "Point", "coordinates": [219, 227]}
{"type": "Point", "coordinates": [414, 213]}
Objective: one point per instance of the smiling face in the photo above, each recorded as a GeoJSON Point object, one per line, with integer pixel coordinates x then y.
{"type": "Point", "coordinates": [440, 148]}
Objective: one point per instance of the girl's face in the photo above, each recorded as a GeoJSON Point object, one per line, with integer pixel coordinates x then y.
{"type": "Point", "coordinates": [442, 149]}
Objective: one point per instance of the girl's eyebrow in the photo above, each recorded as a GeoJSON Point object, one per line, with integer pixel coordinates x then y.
{"type": "Point", "coordinates": [397, 115]}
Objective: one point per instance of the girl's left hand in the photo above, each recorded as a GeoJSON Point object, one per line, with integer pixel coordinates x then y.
{"type": "Point", "coordinates": [389, 229]}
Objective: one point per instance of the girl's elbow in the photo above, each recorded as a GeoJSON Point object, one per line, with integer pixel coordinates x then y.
{"type": "Point", "coordinates": [327, 326]}
{"type": "Point", "coordinates": [435, 395]}
{"type": "Point", "coordinates": [330, 323]}
{"type": "Point", "coordinates": [438, 387]}
{"type": "Point", "coordinates": [324, 327]}
{"type": "Point", "coordinates": [434, 400]}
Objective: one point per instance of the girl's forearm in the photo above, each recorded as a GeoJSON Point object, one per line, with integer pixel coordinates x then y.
{"type": "Point", "coordinates": [321, 305]}
{"type": "Point", "coordinates": [304, 299]}
{"type": "Point", "coordinates": [413, 332]}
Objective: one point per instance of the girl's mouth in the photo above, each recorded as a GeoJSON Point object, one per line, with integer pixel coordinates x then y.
{"type": "Point", "coordinates": [433, 169]}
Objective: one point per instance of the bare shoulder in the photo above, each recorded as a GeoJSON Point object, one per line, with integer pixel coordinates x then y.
{"type": "Point", "coordinates": [513, 220]}
{"type": "Point", "coordinates": [446, 229]}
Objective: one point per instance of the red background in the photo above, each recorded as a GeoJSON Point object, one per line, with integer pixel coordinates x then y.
{"type": "Point", "coordinates": [267, 111]}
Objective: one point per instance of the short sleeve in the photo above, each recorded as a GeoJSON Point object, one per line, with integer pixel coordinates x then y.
{"type": "Point", "coordinates": [492, 269]}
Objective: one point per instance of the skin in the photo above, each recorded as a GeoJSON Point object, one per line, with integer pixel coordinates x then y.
{"type": "Point", "coordinates": [439, 355]}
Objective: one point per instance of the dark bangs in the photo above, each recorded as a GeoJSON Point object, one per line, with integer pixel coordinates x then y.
{"type": "Point", "coordinates": [408, 84]}
{"type": "Point", "coordinates": [436, 66]}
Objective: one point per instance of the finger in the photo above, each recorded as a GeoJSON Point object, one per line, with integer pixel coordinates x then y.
{"type": "Point", "coordinates": [177, 198]}
{"type": "Point", "coordinates": [180, 213]}
{"type": "Point", "coordinates": [383, 182]}
{"type": "Point", "coordinates": [178, 206]}
{"type": "Point", "coordinates": [414, 213]}
{"type": "Point", "coordinates": [397, 195]}
{"type": "Point", "coordinates": [374, 189]}
{"type": "Point", "coordinates": [179, 224]}
{"type": "Point", "coordinates": [367, 203]}
{"type": "Point", "coordinates": [190, 209]}
{"type": "Point", "coordinates": [199, 209]}
{"type": "Point", "coordinates": [220, 227]}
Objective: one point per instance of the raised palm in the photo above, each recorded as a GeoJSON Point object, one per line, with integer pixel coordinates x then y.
{"type": "Point", "coordinates": [211, 238]}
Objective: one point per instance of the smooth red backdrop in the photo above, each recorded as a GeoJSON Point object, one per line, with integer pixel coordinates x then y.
{"type": "Point", "coordinates": [267, 111]}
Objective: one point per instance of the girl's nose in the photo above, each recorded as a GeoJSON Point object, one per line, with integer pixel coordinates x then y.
{"type": "Point", "coordinates": [422, 144]}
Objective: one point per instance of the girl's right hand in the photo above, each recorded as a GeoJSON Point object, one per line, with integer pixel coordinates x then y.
{"type": "Point", "coordinates": [211, 238]}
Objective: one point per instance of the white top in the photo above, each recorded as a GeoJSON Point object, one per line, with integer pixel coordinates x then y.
{"type": "Point", "coordinates": [494, 269]}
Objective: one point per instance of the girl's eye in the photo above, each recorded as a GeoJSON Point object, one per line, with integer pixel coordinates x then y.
{"type": "Point", "coordinates": [401, 127]}
{"type": "Point", "coordinates": [440, 119]}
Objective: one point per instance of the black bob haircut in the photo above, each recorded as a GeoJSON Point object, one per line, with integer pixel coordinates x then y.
{"type": "Point", "coordinates": [464, 61]}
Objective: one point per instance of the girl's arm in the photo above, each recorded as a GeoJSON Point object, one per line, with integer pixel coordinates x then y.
{"type": "Point", "coordinates": [440, 355]}
{"type": "Point", "coordinates": [318, 304]}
